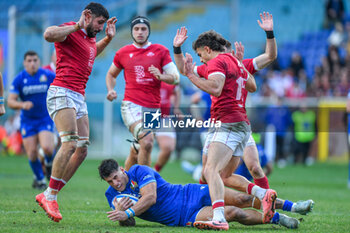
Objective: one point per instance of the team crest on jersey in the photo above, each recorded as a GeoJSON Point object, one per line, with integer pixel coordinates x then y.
{"type": "Point", "coordinates": [133, 185]}
{"type": "Point", "coordinates": [43, 78]}
{"type": "Point", "coordinates": [25, 81]}
{"type": "Point", "coordinates": [150, 54]}
{"type": "Point", "coordinates": [130, 55]}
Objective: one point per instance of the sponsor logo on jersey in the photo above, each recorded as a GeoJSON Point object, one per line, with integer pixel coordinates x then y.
{"type": "Point", "coordinates": [34, 89]}
{"type": "Point", "coordinates": [150, 54]}
{"type": "Point", "coordinates": [130, 55]}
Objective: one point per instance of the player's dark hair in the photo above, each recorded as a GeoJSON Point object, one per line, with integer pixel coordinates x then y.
{"type": "Point", "coordinates": [107, 167]}
{"type": "Point", "coordinates": [212, 39]}
{"type": "Point", "coordinates": [30, 53]}
{"type": "Point", "coordinates": [97, 9]}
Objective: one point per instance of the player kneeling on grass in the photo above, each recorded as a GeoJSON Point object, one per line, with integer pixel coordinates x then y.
{"type": "Point", "coordinates": [177, 205]}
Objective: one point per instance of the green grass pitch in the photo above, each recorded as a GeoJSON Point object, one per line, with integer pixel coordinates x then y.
{"type": "Point", "coordinates": [83, 205]}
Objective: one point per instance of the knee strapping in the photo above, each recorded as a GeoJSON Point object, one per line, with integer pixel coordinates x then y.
{"type": "Point", "coordinates": [67, 136]}
{"type": "Point", "coordinates": [83, 142]}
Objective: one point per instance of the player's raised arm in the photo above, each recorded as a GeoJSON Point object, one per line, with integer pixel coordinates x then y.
{"type": "Point", "coordinates": [111, 76]}
{"type": "Point", "coordinates": [110, 33]}
{"type": "Point", "coordinates": [59, 33]}
{"type": "Point", "coordinates": [179, 39]}
{"type": "Point", "coordinates": [270, 54]}
{"type": "Point", "coordinates": [2, 106]}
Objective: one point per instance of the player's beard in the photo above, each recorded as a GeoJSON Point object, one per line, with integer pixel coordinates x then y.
{"type": "Point", "coordinates": [90, 31]}
{"type": "Point", "coordinates": [140, 42]}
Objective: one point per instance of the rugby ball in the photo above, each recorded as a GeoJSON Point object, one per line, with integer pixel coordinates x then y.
{"type": "Point", "coordinates": [119, 197]}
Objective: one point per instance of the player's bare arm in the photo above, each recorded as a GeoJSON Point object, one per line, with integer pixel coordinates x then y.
{"type": "Point", "coordinates": [2, 106]}
{"type": "Point", "coordinates": [111, 76]}
{"type": "Point", "coordinates": [13, 103]}
{"type": "Point", "coordinates": [213, 85]}
{"type": "Point", "coordinates": [59, 33]}
{"type": "Point", "coordinates": [170, 78]}
{"type": "Point", "coordinates": [110, 33]}
{"type": "Point", "coordinates": [179, 39]}
{"type": "Point", "coordinates": [148, 198]}
{"type": "Point", "coordinates": [270, 54]}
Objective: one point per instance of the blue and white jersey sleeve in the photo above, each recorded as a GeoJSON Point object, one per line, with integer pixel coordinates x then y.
{"type": "Point", "coordinates": [16, 85]}
{"type": "Point", "coordinates": [143, 174]}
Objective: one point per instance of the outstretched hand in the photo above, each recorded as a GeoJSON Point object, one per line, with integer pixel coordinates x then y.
{"type": "Point", "coordinates": [181, 36]}
{"type": "Point", "coordinates": [239, 51]}
{"type": "Point", "coordinates": [110, 28]}
{"type": "Point", "coordinates": [117, 215]}
{"type": "Point", "coordinates": [189, 66]}
{"type": "Point", "coordinates": [266, 21]}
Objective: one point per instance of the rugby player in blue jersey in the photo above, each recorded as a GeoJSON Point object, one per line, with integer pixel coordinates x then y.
{"type": "Point", "coordinates": [2, 106]}
{"type": "Point", "coordinates": [31, 86]}
{"type": "Point", "coordinates": [173, 204]}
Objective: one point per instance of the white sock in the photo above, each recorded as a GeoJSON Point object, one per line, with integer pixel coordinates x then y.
{"type": "Point", "coordinates": [258, 192]}
{"type": "Point", "coordinates": [49, 196]}
{"type": "Point", "coordinates": [293, 208]}
{"type": "Point", "coordinates": [219, 214]}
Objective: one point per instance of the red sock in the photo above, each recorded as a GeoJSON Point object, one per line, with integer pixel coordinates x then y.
{"type": "Point", "coordinates": [158, 167]}
{"type": "Point", "coordinates": [62, 184]}
{"type": "Point", "coordinates": [218, 203]}
{"type": "Point", "coordinates": [250, 187]}
{"type": "Point", "coordinates": [262, 182]}
{"type": "Point", "coordinates": [54, 183]}
{"type": "Point", "coordinates": [202, 182]}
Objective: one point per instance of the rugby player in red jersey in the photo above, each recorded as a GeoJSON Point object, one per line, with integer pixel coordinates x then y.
{"type": "Point", "coordinates": [224, 81]}
{"type": "Point", "coordinates": [76, 49]}
{"type": "Point", "coordinates": [145, 66]}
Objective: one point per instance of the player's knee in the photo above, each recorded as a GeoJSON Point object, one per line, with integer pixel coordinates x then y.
{"type": "Point", "coordinates": [32, 155]}
{"type": "Point", "coordinates": [208, 171]}
{"type": "Point", "coordinates": [146, 143]}
{"type": "Point", "coordinates": [48, 150]}
{"type": "Point", "coordinates": [68, 147]}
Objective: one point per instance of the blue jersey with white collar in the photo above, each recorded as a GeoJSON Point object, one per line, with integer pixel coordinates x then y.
{"type": "Point", "coordinates": [176, 205]}
{"type": "Point", "coordinates": [33, 88]}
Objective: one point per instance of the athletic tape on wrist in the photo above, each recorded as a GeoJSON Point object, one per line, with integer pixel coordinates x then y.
{"type": "Point", "coordinates": [130, 212]}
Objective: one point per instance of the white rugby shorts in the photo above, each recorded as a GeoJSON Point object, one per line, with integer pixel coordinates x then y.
{"type": "Point", "coordinates": [233, 135]}
{"type": "Point", "coordinates": [60, 98]}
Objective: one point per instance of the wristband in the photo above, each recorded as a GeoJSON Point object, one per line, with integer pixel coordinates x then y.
{"type": "Point", "coordinates": [1, 100]}
{"type": "Point", "coordinates": [177, 50]}
{"type": "Point", "coordinates": [130, 212]}
{"type": "Point", "coordinates": [269, 35]}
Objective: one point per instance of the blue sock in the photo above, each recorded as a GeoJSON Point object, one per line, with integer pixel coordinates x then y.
{"type": "Point", "coordinates": [276, 218]}
{"type": "Point", "coordinates": [49, 159]}
{"type": "Point", "coordinates": [37, 169]}
{"type": "Point", "coordinates": [287, 206]}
